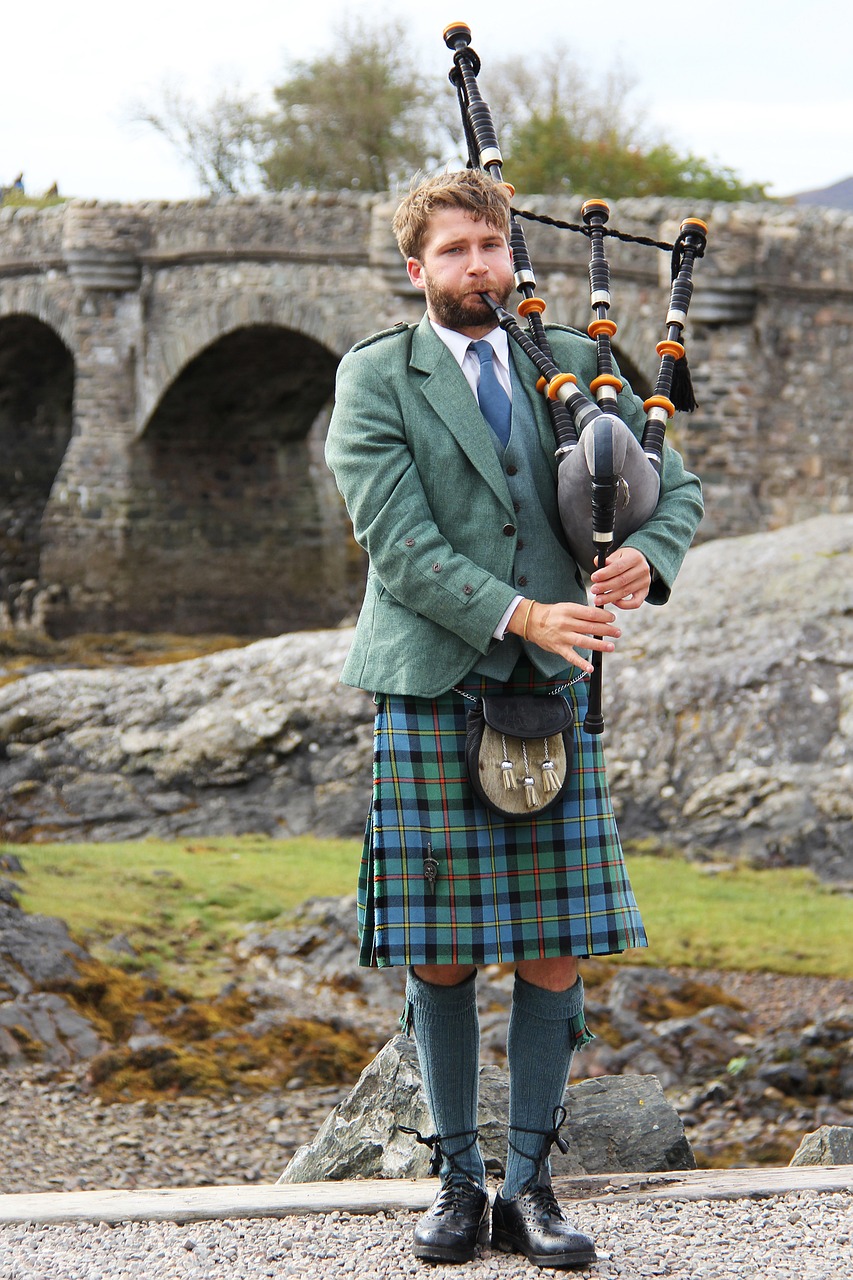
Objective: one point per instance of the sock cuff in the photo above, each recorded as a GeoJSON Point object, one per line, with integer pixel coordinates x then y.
{"type": "Point", "coordinates": [430, 997]}
{"type": "Point", "coordinates": [551, 1006]}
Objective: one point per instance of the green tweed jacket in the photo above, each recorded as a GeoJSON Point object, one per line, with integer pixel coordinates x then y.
{"type": "Point", "coordinates": [425, 490]}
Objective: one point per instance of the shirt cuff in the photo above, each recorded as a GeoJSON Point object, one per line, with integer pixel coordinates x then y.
{"type": "Point", "coordinates": [500, 630]}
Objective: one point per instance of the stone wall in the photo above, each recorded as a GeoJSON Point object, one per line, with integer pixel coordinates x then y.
{"type": "Point", "coordinates": [202, 340]}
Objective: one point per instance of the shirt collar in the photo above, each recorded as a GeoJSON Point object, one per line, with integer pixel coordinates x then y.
{"type": "Point", "coordinates": [458, 343]}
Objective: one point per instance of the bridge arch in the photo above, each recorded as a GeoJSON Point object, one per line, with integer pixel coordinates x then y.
{"type": "Point", "coordinates": [237, 525]}
{"type": "Point", "coordinates": [179, 341]}
{"type": "Point", "coordinates": [36, 398]}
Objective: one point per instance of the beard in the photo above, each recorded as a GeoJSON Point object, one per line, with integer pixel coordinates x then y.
{"type": "Point", "coordinates": [465, 312]}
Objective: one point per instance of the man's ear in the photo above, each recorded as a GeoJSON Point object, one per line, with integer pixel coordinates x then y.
{"type": "Point", "coordinates": [416, 273]}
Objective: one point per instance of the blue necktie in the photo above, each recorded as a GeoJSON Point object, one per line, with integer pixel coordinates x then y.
{"type": "Point", "coordinates": [495, 404]}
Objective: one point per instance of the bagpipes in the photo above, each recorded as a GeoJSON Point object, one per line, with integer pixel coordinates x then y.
{"type": "Point", "coordinates": [608, 481]}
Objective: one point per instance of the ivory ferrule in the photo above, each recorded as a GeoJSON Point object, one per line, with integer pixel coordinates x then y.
{"type": "Point", "coordinates": [601, 297]}
{"type": "Point", "coordinates": [490, 155]}
{"type": "Point", "coordinates": [676, 317]}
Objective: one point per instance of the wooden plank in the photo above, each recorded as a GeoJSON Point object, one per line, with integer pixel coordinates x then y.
{"type": "Point", "coordinates": [195, 1204]}
{"type": "Point", "coordinates": [707, 1184]}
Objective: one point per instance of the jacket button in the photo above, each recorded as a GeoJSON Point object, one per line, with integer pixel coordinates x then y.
{"type": "Point", "coordinates": [410, 542]}
{"type": "Point", "coordinates": [466, 590]}
{"type": "Point", "coordinates": [436, 568]}
{"type": "Point", "coordinates": [509, 530]}
{"type": "Point", "coordinates": [512, 470]}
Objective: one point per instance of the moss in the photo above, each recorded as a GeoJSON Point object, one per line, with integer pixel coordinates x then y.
{"type": "Point", "coordinates": [30, 1046]}
{"type": "Point", "coordinates": [658, 1004]}
{"type": "Point", "coordinates": [238, 1061]}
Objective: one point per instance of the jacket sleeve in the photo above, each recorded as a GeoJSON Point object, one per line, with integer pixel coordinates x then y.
{"type": "Point", "coordinates": [368, 450]}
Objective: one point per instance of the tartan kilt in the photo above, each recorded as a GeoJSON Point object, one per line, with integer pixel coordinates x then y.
{"type": "Point", "coordinates": [506, 890]}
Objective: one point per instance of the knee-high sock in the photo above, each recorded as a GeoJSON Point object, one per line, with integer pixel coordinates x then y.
{"type": "Point", "coordinates": [540, 1045]}
{"type": "Point", "coordinates": [447, 1034]}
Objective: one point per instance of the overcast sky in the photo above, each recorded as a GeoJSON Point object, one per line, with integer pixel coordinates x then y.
{"type": "Point", "coordinates": [766, 89]}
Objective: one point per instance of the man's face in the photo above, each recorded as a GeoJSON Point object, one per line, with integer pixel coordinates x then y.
{"type": "Point", "coordinates": [461, 258]}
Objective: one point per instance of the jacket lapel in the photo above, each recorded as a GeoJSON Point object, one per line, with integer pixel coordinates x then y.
{"type": "Point", "coordinates": [527, 375]}
{"type": "Point", "coordinates": [446, 391]}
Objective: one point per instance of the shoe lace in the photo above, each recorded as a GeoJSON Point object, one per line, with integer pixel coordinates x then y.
{"type": "Point", "coordinates": [454, 1197]}
{"type": "Point", "coordinates": [541, 1199]}
{"type": "Point", "coordinates": [434, 1142]}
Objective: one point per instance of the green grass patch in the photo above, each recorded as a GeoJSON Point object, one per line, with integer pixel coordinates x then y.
{"type": "Point", "coordinates": [182, 903]}
{"type": "Point", "coordinates": [782, 920]}
{"type": "Point", "coordinates": [179, 903]}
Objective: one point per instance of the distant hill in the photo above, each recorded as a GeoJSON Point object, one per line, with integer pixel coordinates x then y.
{"type": "Point", "coordinates": [838, 196]}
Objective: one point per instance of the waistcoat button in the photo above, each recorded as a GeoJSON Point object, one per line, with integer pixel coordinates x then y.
{"type": "Point", "coordinates": [512, 470]}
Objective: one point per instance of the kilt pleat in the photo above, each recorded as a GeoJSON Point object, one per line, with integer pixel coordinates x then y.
{"type": "Point", "coordinates": [509, 890]}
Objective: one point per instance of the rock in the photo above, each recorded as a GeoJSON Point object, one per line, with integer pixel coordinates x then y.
{"type": "Point", "coordinates": [830, 1144]}
{"type": "Point", "coordinates": [744, 745]}
{"type": "Point", "coordinates": [45, 1028]}
{"type": "Point", "coordinates": [741, 747]}
{"type": "Point", "coordinates": [619, 1124]}
{"type": "Point", "coordinates": [35, 951]}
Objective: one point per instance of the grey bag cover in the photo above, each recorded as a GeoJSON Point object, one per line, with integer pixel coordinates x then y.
{"type": "Point", "coordinates": [638, 486]}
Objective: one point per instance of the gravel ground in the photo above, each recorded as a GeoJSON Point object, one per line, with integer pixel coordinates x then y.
{"type": "Point", "coordinates": [804, 1236]}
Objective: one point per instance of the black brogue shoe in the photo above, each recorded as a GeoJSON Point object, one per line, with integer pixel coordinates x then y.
{"type": "Point", "coordinates": [456, 1223]}
{"type": "Point", "coordinates": [534, 1224]}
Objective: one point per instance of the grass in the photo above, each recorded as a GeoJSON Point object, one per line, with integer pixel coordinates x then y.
{"type": "Point", "coordinates": [181, 904]}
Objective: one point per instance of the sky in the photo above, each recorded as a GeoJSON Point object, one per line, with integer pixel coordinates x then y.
{"type": "Point", "coordinates": [765, 89]}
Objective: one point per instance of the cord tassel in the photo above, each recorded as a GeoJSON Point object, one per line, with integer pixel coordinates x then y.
{"type": "Point", "coordinates": [550, 780]}
{"type": "Point", "coordinates": [508, 778]}
{"type": "Point", "coordinates": [530, 793]}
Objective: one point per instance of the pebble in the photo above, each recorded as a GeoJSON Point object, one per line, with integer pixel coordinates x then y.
{"type": "Point", "coordinates": [726, 1241]}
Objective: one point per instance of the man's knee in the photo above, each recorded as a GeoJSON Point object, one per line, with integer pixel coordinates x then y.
{"type": "Point", "coordinates": [444, 975]}
{"type": "Point", "coordinates": [557, 973]}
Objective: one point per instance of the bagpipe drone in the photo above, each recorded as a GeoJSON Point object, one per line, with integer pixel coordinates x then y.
{"type": "Point", "coordinates": [608, 481]}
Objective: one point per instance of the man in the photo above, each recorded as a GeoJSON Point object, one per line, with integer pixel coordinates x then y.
{"type": "Point", "coordinates": [471, 588]}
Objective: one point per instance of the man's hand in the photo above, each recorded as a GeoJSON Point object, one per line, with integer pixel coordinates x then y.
{"type": "Point", "coordinates": [559, 627]}
{"type": "Point", "coordinates": [624, 581]}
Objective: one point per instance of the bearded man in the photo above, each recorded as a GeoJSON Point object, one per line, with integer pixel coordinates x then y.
{"type": "Point", "coordinates": [443, 451]}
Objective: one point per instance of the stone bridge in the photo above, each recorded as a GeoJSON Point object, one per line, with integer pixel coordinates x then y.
{"type": "Point", "coordinates": [166, 373]}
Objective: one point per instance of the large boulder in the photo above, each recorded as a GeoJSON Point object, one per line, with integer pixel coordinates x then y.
{"type": "Point", "coordinates": [616, 1124]}
{"type": "Point", "coordinates": [729, 712]}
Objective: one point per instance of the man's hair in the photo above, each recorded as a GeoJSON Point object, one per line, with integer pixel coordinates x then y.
{"type": "Point", "coordinates": [469, 189]}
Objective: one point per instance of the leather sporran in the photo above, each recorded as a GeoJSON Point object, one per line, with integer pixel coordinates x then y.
{"type": "Point", "coordinates": [519, 751]}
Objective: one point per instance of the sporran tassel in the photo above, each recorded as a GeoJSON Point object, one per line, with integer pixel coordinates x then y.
{"type": "Point", "coordinates": [528, 781]}
{"type": "Point", "coordinates": [508, 778]}
{"type": "Point", "coordinates": [550, 781]}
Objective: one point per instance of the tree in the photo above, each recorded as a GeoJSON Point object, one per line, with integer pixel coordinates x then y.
{"type": "Point", "coordinates": [222, 142]}
{"type": "Point", "coordinates": [359, 116]}
{"type": "Point", "coordinates": [561, 137]}
{"type": "Point", "coordinates": [363, 115]}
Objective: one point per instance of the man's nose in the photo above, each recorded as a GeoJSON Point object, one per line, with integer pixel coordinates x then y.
{"type": "Point", "coordinates": [476, 263]}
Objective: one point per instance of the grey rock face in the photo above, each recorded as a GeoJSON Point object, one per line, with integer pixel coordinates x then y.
{"type": "Point", "coordinates": [36, 952]}
{"type": "Point", "coordinates": [618, 1124]}
{"type": "Point", "coordinates": [729, 714]}
{"type": "Point", "coordinates": [830, 1144]}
